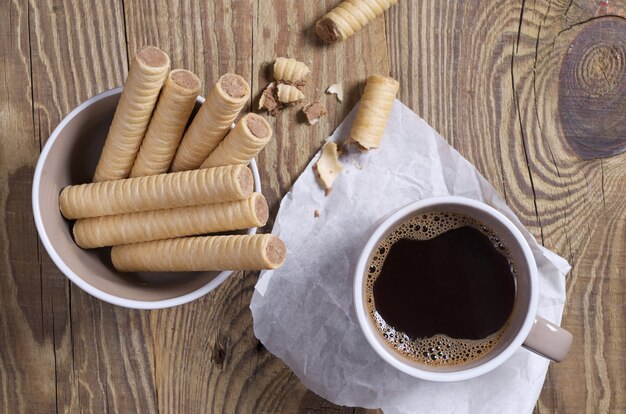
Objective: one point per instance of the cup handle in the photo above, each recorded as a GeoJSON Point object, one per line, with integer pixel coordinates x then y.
{"type": "Point", "coordinates": [548, 340]}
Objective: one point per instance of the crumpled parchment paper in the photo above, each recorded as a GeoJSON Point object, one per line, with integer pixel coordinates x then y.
{"type": "Point", "coordinates": [304, 313]}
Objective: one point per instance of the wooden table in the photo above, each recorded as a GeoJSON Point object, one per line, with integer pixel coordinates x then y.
{"type": "Point", "coordinates": [530, 92]}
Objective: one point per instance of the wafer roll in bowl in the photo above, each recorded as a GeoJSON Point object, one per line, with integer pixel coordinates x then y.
{"type": "Point", "coordinates": [215, 117]}
{"type": "Point", "coordinates": [263, 251]}
{"type": "Point", "coordinates": [166, 128]}
{"type": "Point", "coordinates": [244, 142]}
{"type": "Point", "coordinates": [165, 224]}
{"type": "Point", "coordinates": [148, 71]}
{"type": "Point", "coordinates": [157, 192]}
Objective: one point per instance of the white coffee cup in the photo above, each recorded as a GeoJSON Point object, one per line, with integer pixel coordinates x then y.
{"type": "Point", "coordinates": [525, 329]}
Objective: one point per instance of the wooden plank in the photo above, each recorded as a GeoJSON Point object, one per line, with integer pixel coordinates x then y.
{"type": "Point", "coordinates": [580, 203]}
{"type": "Point", "coordinates": [27, 364]}
{"type": "Point", "coordinates": [498, 105]}
{"type": "Point", "coordinates": [101, 358]}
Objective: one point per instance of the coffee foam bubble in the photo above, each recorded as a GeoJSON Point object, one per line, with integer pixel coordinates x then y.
{"type": "Point", "coordinates": [438, 350]}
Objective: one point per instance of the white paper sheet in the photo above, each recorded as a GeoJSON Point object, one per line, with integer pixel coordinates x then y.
{"type": "Point", "coordinates": [303, 312]}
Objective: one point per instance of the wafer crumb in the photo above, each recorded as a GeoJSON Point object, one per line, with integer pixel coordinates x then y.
{"type": "Point", "coordinates": [337, 90]}
{"type": "Point", "coordinates": [316, 213]}
{"type": "Point", "coordinates": [290, 78]}
{"type": "Point", "coordinates": [289, 94]}
{"type": "Point", "coordinates": [328, 166]}
{"type": "Point", "coordinates": [269, 100]}
{"type": "Point", "coordinates": [314, 112]}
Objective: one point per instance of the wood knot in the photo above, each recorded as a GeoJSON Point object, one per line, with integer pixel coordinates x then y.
{"type": "Point", "coordinates": [218, 356]}
{"type": "Point", "coordinates": [592, 89]}
{"type": "Point", "coordinates": [600, 69]}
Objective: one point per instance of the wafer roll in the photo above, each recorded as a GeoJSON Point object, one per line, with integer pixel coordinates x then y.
{"type": "Point", "coordinates": [166, 224]}
{"type": "Point", "coordinates": [261, 251]}
{"type": "Point", "coordinates": [157, 192]}
{"type": "Point", "coordinates": [167, 125]}
{"type": "Point", "coordinates": [290, 70]}
{"type": "Point", "coordinates": [349, 17]}
{"type": "Point", "coordinates": [374, 109]}
{"type": "Point", "coordinates": [243, 143]}
{"type": "Point", "coordinates": [147, 73]}
{"type": "Point", "coordinates": [215, 117]}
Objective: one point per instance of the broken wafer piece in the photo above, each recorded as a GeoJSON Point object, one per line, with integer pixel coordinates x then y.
{"type": "Point", "coordinates": [289, 94]}
{"type": "Point", "coordinates": [328, 166]}
{"type": "Point", "coordinates": [290, 70]}
{"type": "Point", "coordinates": [374, 110]}
{"type": "Point", "coordinates": [157, 192]}
{"type": "Point", "coordinates": [189, 254]}
{"type": "Point", "coordinates": [166, 224]}
{"type": "Point", "coordinates": [147, 73]}
{"type": "Point", "coordinates": [269, 100]}
{"type": "Point", "coordinates": [337, 90]}
{"type": "Point", "coordinates": [227, 98]}
{"type": "Point", "coordinates": [167, 125]}
{"type": "Point", "coordinates": [291, 76]}
{"type": "Point", "coordinates": [314, 112]}
{"type": "Point", "coordinates": [244, 142]}
{"type": "Point", "coordinates": [349, 17]}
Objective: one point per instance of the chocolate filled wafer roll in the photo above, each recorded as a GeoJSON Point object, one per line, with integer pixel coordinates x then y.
{"type": "Point", "coordinates": [157, 192]}
{"type": "Point", "coordinates": [349, 17]}
{"type": "Point", "coordinates": [147, 73]}
{"type": "Point", "coordinates": [244, 142]}
{"type": "Point", "coordinates": [374, 110]}
{"type": "Point", "coordinates": [229, 95]}
{"type": "Point", "coordinates": [188, 254]}
{"type": "Point", "coordinates": [166, 224]}
{"type": "Point", "coordinates": [166, 128]}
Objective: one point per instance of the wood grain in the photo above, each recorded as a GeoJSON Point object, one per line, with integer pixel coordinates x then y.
{"type": "Point", "coordinates": [26, 325]}
{"type": "Point", "coordinates": [592, 85]}
{"type": "Point", "coordinates": [504, 81]}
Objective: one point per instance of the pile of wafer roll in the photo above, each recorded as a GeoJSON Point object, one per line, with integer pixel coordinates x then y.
{"type": "Point", "coordinates": [161, 188]}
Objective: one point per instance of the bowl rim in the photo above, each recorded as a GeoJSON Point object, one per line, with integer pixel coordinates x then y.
{"type": "Point", "coordinates": [71, 275]}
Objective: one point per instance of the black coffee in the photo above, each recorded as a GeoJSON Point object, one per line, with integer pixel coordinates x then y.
{"type": "Point", "coordinates": [441, 288]}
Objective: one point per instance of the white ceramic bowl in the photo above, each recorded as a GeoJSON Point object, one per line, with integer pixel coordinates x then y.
{"type": "Point", "coordinates": [70, 157]}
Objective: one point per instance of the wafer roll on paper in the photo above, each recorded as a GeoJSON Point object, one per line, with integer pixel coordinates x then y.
{"type": "Point", "coordinates": [167, 125]}
{"type": "Point", "coordinates": [229, 95]}
{"type": "Point", "coordinates": [147, 73]}
{"type": "Point", "coordinates": [243, 143]}
{"type": "Point", "coordinates": [165, 224]}
{"type": "Point", "coordinates": [374, 110]}
{"type": "Point", "coordinates": [157, 192]}
{"type": "Point", "coordinates": [349, 17]}
{"type": "Point", "coordinates": [188, 254]}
